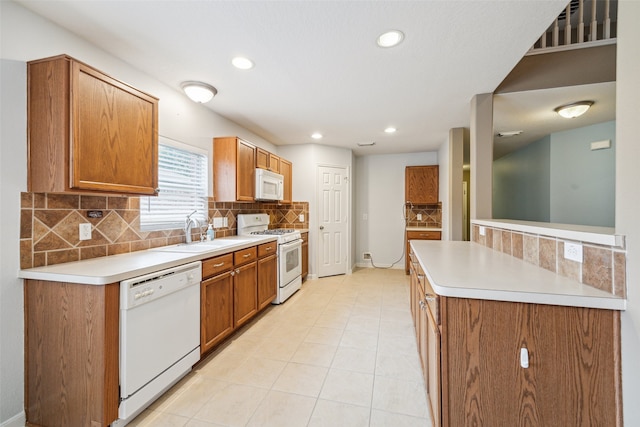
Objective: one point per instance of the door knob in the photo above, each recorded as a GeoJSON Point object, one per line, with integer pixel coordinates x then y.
{"type": "Point", "coordinates": [322, 227]}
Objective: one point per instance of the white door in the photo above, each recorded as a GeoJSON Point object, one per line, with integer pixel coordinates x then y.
{"type": "Point", "coordinates": [332, 220]}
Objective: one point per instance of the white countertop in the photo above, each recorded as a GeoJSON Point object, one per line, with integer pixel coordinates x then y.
{"type": "Point", "coordinates": [423, 229]}
{"type": "Point", "coordinates": [470, 270]}
{"type": "Point", "coordinates": [111, 269]}
{"type": "Point", "coordinates": [583, 233]}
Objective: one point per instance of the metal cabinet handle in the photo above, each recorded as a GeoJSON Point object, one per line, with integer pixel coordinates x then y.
{"type": "Point", "coordinates": [268, 248]}
{"type": "Point", "coordinates": [246, 255]}
{"type": "Point", "coordinates": [429, 297]}
{"type": "Point", "coordinates": [218, 265]}
{"type": "Point", "coordinates": [237, 271]}
{"type": "Point", "coordinates": [421, 304]}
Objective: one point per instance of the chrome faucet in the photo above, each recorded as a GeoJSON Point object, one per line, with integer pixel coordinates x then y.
{"type": "Point", "coordinates": [188, 225]}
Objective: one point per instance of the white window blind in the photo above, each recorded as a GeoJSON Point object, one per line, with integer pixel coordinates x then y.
{"type": "Point", "coordinates": [182, 179]}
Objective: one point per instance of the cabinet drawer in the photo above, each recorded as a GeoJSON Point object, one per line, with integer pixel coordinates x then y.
{"type": "Point", "coordinates": [267, 249]}
{"type": "Point", "coordinates": [432, 300]}
{"type": "Point", "coordinates": [245, 255]}
{"type": "Point", "coordinates": [216, 265]}
{"type": "Point", "coordinates": [423, 235]}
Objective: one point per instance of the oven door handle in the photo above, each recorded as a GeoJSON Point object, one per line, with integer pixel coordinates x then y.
{"type": "Point", "coordinates": [292, 244]}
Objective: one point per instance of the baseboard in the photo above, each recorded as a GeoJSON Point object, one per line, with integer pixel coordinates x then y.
{"type": "Point", "coordinates": [385, 266]}
{"type": "Point", "coordinates": [19, 420]}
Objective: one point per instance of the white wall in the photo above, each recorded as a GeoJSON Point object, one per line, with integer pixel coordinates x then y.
{"type": "Point", "coordinates": [445, 169]}
{"type": "Point", "coordinates": [627, 201]}
{"type": "Point", "coordinates": [13, 180]}
{"type": "Point", "coordinates": [379, 193]}
{"type": "Point", "coordinates": [25, 36]}
{"type": "Point", "coordinates": [306, 158]}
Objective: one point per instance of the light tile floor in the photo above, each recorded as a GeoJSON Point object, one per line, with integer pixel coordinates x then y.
{"type": "Point", "coordinates": [340, 352]}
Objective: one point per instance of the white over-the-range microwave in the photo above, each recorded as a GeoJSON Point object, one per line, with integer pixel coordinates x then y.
{"type": "Point", "coordinates": [269, 185]}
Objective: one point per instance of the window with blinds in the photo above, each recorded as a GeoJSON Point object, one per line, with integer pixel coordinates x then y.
{"type": "Point", "coordinates": [182, 179]}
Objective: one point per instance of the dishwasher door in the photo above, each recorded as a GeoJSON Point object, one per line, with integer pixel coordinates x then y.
{"type": "Point", "coordinates": [159, 326]}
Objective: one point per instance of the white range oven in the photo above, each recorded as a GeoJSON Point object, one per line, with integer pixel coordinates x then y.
{"type": "Point", "coordinates": [289, 252]}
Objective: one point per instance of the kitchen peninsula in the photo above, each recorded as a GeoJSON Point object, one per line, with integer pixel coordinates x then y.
{"type": "Point", "coordinates": [506, 342]}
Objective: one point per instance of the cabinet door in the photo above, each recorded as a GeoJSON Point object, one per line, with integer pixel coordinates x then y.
{"type": "Point", "coordinates": [88, 131]}
{"type": "Point", "coordinates": [245, 173]}
{"type": "Point", "coordinates": [216, 310]}
{"type": "Point", "coordinates": [573, 377]}
{"type": "Point", "coordinates": [432, 367]}
{"type": "Point", "coordinates": [286, 171]}
{"type": "Point", "coordinates": [421, 184]}
{"type": "Point", "coordinates": [267, 280]}
{"type": "Point", "coordinates": [274, 163]}
{"type": "Point", "coordinates": [245, 295]}
{"type": "Point", "coordinates": [262, 158]}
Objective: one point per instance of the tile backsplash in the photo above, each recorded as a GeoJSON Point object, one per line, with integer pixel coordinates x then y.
{"type": "Point", "coordinates": [603, 267]}
{"type": "Point", "coordinates": [431, 215]}
{"type": "Point", "coordinates": [49, 225]}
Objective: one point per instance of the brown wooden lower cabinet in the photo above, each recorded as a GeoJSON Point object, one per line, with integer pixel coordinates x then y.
{"type": "Point", "coordinates": [235, 287]}
{"type": "Point", "coordinates": [418, 235]}
{"type": "Point", "coordinates": [470, 351]}
{"type": "Point", "coordinates": [267, 273]}
{"type": "Point", "coordinates": [71, 353]}
{"type": "Point", "coordinates": [216, 310]}
{"type": "Point", "coordinates": [305, 255]}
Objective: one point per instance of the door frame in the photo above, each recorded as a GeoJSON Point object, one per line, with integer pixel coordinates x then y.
{"type": "Point", "coordinates": [314, 251]}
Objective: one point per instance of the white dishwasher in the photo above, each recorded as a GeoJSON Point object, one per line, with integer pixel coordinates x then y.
{"type": "Point", "coordinates": [159, 334]}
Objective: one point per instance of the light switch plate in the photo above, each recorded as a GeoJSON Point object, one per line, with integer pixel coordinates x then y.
{"type": "Point", "coordinates": [419, 217]}
{"type": "Point", "coordinates": [481, 231]}
{"type": "Point", "coordinates": [85, 231]}
{"type": "Point", "coordinates": [301, 217]}
{"type": "Point", "coordinates": [217, 222]}
{"type": "Point", "coordinates": [573, 251]}
{"type": "Point", "coordinates": [225, 222]}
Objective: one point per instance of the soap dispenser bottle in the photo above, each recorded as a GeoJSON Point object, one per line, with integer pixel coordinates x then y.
{"type": "Point", "coordinates": [210, 234]}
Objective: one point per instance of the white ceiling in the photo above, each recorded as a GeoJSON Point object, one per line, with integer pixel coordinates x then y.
{"type": "Point", "coordinates": [318, 67]}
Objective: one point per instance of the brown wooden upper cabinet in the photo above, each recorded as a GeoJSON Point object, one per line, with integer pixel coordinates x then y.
{"type": "Point", "coordinates": [421, 184]}
{"type": "Point", "coordinates": [267, 160]}
{"type": "Point", "coordinates": [286, 170]}
{"type": "Point", "coordinates": [88, 132]}
{"type": "Point", "coordinates": [233, 170]}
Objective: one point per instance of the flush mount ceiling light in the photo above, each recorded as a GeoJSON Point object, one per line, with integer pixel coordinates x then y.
{"type": "Point", "coordinates": [390, 38]}
{"type": "Point", "coordinates": [390, 129]}
{"type": "Point", "coordinates": [366, 144]}
{"type": "Point", "coordinates": [316, 135]}
{"type": "Point", "coordinates": [508, 133]}
{"type": "Point", "coordinates": [576, 109]}
{"type": "Point", "coordinates": [242, 63]}
{"type": "Point", "coordinates": [198, 91]}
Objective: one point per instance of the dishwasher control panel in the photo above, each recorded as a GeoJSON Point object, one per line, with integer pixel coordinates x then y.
{"type": "Point", "coordinates": [143, 289]}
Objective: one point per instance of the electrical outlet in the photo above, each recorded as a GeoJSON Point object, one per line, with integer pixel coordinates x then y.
{"type": "Point", "coordinates": [225, 222]}
{"type": "Point", "coordinates": [481, 230]}
{"type": "Point", "coordinates": [419, 217]}
{"type": "Point", "coordinates": [85, 231]}
{"type": "Point", "coordinates": [217, 222]}
{"type": "Point", "coordinates": [366, 255]}
{"type": "Point", "coordinates": [301, 217]}
{"type": "Point", "coordinates": [573, 251]}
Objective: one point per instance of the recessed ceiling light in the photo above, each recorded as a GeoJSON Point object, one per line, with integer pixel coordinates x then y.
{"type": "Point", "coordinates": [508, 133]}
{"type": "Point", "coordinates": [390, 38]}
{"type": "Point", "coordinates": [366, 144]}
{"type": "Point", "coordinates": [242, 63]}
{"type": "Point", "coordinates": [316, 135]}
{"type": "Point", "coordinates": [390, 129]}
